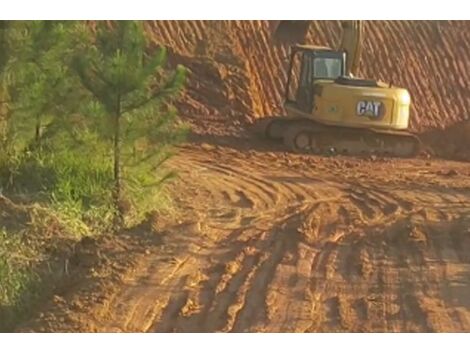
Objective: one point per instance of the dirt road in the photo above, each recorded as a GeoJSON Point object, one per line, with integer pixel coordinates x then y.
{"type": "Point", "coordinates": [280, 242]}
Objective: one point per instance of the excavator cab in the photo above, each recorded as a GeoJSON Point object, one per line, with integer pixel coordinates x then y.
{"type": "Point", "coordinates": [309, 64]}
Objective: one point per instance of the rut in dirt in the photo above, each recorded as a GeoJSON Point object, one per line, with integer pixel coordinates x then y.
{"type": "Point", "coordinates": [304, 246]}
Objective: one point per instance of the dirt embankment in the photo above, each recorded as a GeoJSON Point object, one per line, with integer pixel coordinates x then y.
{"type": "Point", "coordinates": [238, 72]}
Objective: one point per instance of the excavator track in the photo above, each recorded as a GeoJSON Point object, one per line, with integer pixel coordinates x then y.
{"type": "Point", "coordinates": [308, 136]}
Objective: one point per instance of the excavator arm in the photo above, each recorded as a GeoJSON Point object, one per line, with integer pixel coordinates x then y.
{"type": "Point", "coordinates": [351, 43]}
{"type": "Point", "coordinates": [351, 39]}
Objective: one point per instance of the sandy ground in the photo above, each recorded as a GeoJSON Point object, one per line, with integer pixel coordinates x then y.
{"type": "Point", "coordinates": [272, 241]}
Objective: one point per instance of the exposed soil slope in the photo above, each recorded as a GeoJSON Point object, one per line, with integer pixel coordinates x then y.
{"type": "Point", "coordinates": [239, 71]}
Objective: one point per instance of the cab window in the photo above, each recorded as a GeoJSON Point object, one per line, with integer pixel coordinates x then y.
{"type": "Point", "coordinates": [327, 68]}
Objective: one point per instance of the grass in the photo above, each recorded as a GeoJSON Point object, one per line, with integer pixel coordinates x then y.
{"type": "Point", "coordinates": [57, 199]}
{"type": "Point", "coordinates": [18, 281]}
{"type": "Point", "coordinates": [52, 200]}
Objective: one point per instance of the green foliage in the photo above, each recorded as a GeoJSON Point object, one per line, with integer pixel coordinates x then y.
{"type": "Point", "coordinates": [9, 247]}
{"type": "Point", "coordinates": [75, 91]}
{"type": "Point", "coordinates": [44, 92]}
{"type": "Point", "coordinates": [4, 96]}
{"type": "Point", "coordinates": [17, 280]}
{"type": "Point", "coordinates": [73, 180]}
{"type": "Point", "coordinates": [130, 103]}
{"type": "Point", "coordinates": [86, 125]}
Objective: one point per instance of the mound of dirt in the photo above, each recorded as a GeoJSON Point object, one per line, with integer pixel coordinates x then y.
{"type": "Point", "coordinates": [452, 142]}
{"type": "Point", "coordinates": [238, 71]}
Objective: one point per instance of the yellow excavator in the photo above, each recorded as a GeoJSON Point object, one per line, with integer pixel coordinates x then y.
{"type": "Point", "coordinates": [330, 110]}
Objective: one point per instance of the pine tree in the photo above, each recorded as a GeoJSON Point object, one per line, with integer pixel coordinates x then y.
{"type": "Point", "coordinates": [5, 54]}
{"type": "Point", "coordinates": [46, 91]}
{"type": "Point", "coordinates": [9, 42]}
{"type": "Point", "coordinates": [130, 107]}
{"type": "Point", "coordinates": [38, 89]}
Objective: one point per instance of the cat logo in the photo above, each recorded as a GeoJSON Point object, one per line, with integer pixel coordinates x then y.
{"type": "Point", "coordinates": [373, 109]}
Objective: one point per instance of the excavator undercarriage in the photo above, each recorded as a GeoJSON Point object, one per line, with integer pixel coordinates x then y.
{"type": "Point", "coordinates": [307, 136]}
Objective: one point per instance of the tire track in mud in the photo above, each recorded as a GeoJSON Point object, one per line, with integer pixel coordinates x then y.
{"type": "Point", "coordinates": [276, 247]}
{"type": "Point", "coordinates": [336, 291]}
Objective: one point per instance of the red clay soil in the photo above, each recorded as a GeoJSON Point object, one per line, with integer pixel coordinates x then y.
{"type": "Point", "coordinates": [453, 142]}
{"type": "Point", "coordinates": [239, 73]}
{"type": "Point", "coordinates": [279, 242]}
{"type": "Point", "coordinates": [272, 241]}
